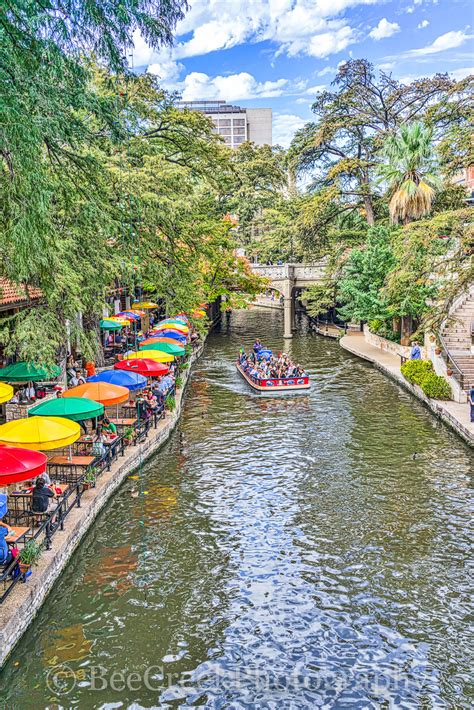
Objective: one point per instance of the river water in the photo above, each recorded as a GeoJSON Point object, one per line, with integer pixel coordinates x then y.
{"type": "Point", "coordinates": [307, 551]}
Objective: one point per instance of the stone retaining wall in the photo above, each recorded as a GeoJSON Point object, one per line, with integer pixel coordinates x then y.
{"type": "Point", "coordinates": [19, 609]}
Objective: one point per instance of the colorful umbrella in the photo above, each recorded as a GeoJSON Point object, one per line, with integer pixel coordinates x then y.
{"type": "Point", "coordinates": [150, 355]}
{"type": "Point", "coordinates": [110, 325]}
{"type": "Point", "coordinates": [146, 305]}
{"type": "Point", "coordinates": [100, 392]}
{"type": "Point", "coordinates": [128, 315]}
{"type": "Point", "coordinates": [76, 409]}
{"type": "Point", "coordinates": [6, 392]}
{"type": "Point", "coordinates": [138, 312]}
{"type": "Point", "coordinates": [171, 334]}
{"type": "Point", "coordinates": [145, 367]}
{"type": "Point", "coordinates": [131, 380]}
{"type": "Point", "coordinates": [172, 326]}
{"type": "Point", "coordinates": [158, 338]}
{"type": "Point", "coordinates": [41, 433]}
{"type": "Point", "coordinates": [154, 344]}
{"type": "Point", "coordinates": [27, 372]}
{"type": "Point", "coordinates": [122, 321]}
{"type": "Point", "coordinates": [20, 464]}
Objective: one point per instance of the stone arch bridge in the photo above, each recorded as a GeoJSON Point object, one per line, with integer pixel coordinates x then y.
{"type": "Point", "coordinates": [287, 279]}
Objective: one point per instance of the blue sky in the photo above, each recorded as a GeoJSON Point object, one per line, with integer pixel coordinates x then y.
{"type": "Point", "coordinates": [279, 53]}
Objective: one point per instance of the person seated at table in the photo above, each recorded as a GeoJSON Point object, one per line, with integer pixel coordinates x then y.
{"type": "Point", "coordinates": [40, 496]}
{"type": "Point", "coordinates": [109, 429]}
{"type": "Point", "coordinates": [45, 477]}
{"type": "Point", "coordinates": [98, 447]}
{"type": "Point", "coordinates": [152, 400]}
{"type": "Point", "coordinates": [5, 555]}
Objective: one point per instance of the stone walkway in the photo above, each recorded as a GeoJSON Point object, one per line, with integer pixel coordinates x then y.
{"type": "Point", "coordinates": [457, 416]}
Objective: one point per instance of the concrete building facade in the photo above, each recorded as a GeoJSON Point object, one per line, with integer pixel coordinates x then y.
{"type": "Point", "coordinates": [234, 123]}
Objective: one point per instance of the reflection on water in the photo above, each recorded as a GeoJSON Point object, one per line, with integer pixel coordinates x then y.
{"type": "Point", "coordinates": [279, 552]}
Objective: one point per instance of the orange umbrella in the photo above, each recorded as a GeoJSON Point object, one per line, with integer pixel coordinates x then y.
{"type": "Point", "coordinates": [102, 392]}
{"type": "Point", "coordinates": [171, 341]}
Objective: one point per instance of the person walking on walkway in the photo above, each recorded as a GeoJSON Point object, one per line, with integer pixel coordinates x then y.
{"type": "Point", "coordinates": [415, 351]}
{"type": "Point", "coordinates": [471, 402]}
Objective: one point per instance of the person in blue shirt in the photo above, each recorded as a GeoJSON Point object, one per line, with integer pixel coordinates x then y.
{"type": "Point", "coordinates": [471, 402]}
{"type": "Point", "coordinates": [5, 555]}
{"type": "Point", "coordinates": [415, 351]}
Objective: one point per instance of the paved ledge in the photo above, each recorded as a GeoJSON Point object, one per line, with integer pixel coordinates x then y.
{"type": "Point", "coordinates": [267, 303]}
{"type": "Point", "coordinates": [20, 607]}
{"type": "Point", "coordinates": [453, 414]}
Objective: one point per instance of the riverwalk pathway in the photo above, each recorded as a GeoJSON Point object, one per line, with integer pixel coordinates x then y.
{"type": "Point", "coordinates": [452, 413]}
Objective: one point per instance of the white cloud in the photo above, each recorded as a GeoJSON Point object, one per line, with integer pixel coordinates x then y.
{"type": "Point", "coordinates": [386, 66]}
{"type": "Point", "coordinates": [327, 70]}
{"type": "Point", "coordinates": [302, 101]}
{"type": "Point", "coordinates": [423, 24]}
{"type": "Point", "coordinates": [410, 9]}
{"type": "Point", "coordinates": [315, 89]}
{"type": "Point", "coordinates": [384, 29]}
{"type": "Point", "coordinates": [197, 85]}
{"type": "Point", "coordinates": [166, 69]}
{"type": "Point", "coordinates": [450, 40]}
{"type": "Point", "coordinates": [459, 74]}
{"type": "Point", "coordinates": [284, 127]}
{"type": "Point", "coordinates": [296, 27]}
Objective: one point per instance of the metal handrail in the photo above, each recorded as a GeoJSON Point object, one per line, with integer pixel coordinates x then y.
{"type": "Point", "coordinates": [449, 358]}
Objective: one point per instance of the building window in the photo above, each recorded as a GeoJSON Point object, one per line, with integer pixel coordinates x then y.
{"type": "Point", "coordinates": [239, 121]}
{"type": "Point", "coordinates": [224, 122]}
{"type": "Point", "coordinates": [239, 131]}
{"type": "Point", "coordinates": [228, 140]}
{"type": "Point", "coordinates": [239, 139]}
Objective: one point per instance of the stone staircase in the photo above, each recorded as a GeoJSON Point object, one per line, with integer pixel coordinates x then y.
{"type": "Point", "coordinates": [457, 338]}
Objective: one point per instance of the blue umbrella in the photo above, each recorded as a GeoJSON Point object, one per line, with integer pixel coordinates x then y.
{"type": "Point", "coordinates": [265, 353]}
{"type": "Point", "coordinates": [131, 380]}
{"type": "Point", "coordinates": [171, 334]}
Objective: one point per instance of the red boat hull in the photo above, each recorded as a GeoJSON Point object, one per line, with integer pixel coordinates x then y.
{"type": "Point", "coordinates": [273, 384]}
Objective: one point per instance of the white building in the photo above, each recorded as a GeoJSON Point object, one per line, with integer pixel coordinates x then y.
{"type": "Point", "coordinates": [234, 123]}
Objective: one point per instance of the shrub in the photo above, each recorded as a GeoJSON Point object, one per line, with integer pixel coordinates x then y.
{"type": "Point", "coordinates": [420, 372]}
{"type": "Point", "coordinates": [415, 371]}
{"type": "Point", "coordinates": [436, 387]}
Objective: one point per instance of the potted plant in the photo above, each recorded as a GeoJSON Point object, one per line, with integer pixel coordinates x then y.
{"type": "Point", "coordinates": [30, 555]}
{"type": "Point", "coordinates": [129, 435]}
{"type": "Point", "coordinates": [178, 382]}
{"type": "Point", "coordinates": [89, 479]}
{"type": "Point", "coordinates": [170, 403]}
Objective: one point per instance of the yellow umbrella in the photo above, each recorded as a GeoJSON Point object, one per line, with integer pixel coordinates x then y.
{"type": "Point", "coordinates": [122, 321]}
{"type": "Point", "coordinates": [146, 305]}
{"type": "Point", "coordinates": [155, 355]}
{"type": "Point", "coordinates": [6, 392]}
{"type": "Point", "coordinates": [40, 433]}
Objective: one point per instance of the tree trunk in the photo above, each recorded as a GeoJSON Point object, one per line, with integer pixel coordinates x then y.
{"type": "Point", "coordinates": [369, 210]}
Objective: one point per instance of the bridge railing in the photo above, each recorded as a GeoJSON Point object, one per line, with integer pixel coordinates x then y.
{"type": "Point", "coordinates": [294, 272]}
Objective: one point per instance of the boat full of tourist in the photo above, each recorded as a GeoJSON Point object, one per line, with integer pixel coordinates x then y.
{"type": "Point", "coordinates": [266, 371]}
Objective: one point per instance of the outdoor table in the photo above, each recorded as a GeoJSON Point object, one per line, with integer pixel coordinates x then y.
{"type": "Point", "coordinates": [123, 421]}
{"type": "Point", "coordinates": [79, 461]}
{"type": "Point", "coordinates": [16, 533]}
{"type": "Point", "coordinates": [53, 487]}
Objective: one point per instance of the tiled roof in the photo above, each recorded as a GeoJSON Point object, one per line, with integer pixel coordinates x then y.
{"type": "Point", "coordinates": [13, 294]}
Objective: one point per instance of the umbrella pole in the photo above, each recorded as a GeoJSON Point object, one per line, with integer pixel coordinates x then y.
{"type": "Point", "coordinates": [70, 452]}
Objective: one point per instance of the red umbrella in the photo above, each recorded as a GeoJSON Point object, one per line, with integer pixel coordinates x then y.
{"type": "Point", "coordinates": [146, 367]}
{"type": "Point", "coordinates": [20, 464]}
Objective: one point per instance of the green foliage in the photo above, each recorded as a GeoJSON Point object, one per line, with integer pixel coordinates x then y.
{"type": "Point", "coordinates": [360, 290]}
{"type": "Point", "coordinates": [179, 382]}
{"type": "Point", "coordinates": [170, 403]}
{"type": "Point", "coordinates": [415, 371]}
{"type": "Point", "coordinates": [421, 373]}
{"type": "Point", "coordinates": [31, 552]}
{"type": "Point", "coordinates": [410, 172]}
{"type": "Point", "coordinates": [436, 387]}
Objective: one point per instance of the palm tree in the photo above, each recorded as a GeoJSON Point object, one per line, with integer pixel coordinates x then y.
{"type": "Point", "coordinates": [410, 172]}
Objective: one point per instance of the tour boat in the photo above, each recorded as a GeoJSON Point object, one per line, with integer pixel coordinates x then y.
{"type": "Point", "coordinates": [275, 384]}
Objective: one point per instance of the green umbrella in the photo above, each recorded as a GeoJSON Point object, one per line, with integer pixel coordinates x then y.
{"type": "Point", "coordinates": [74, 408]}
{"type": "Point", "coordinates": [168, 348]}
{"type": "Point", "coordinates": [27, 372]}
{"type": "Point", "coordinates": [110, 325]}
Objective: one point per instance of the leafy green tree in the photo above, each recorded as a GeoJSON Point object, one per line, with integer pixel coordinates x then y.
{"type": "Point", "coordinates": [410, 171]}
{"type": "Point", "coordinates": [340, 148]}
{"type": "Point", "coordinates": [360, 290]}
